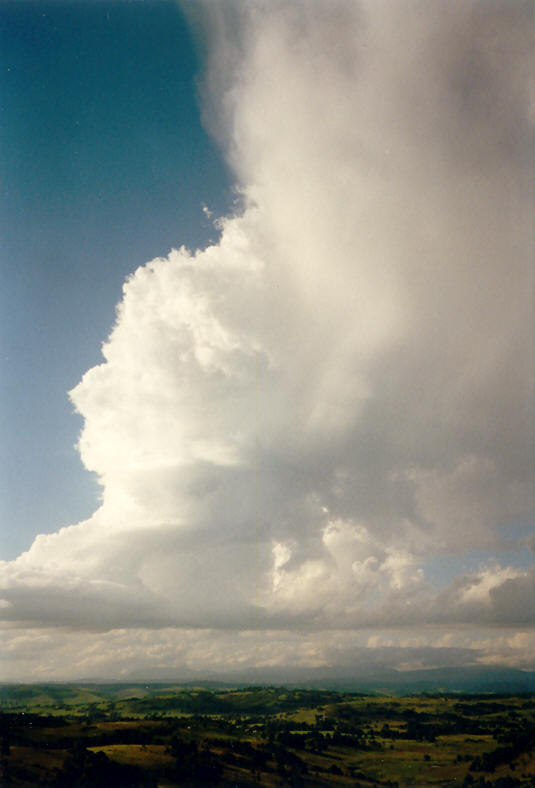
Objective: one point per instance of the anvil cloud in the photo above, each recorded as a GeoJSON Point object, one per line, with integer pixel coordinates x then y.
{"type": "Point", "coordinates": [289, 425]}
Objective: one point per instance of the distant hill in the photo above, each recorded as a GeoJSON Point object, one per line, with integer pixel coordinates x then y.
{"type": "Point", "coordinates": [462, 679]}
{"type": "Point", "coordinates": [375, 679]}
{"type": "Point", "coordinates": [477, 679]}
{"type": "Point", "coordinates": [468, 679]}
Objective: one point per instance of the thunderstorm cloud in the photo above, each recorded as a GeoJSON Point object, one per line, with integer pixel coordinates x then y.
{"type": "Point", "coordinates": [292, 426]}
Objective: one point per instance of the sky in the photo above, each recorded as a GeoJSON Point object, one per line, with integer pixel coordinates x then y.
{"type": "Point", "coordinates": [104, 165]}
{"type": "Point", "coordinates": [268, 336]}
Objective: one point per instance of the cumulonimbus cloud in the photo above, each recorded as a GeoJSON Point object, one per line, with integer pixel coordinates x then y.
{"type": "Point", "coordinates": [288, 424]}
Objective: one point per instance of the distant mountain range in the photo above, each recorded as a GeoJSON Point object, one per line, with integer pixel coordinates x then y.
{"type": "Point", "coordinates": [462, 679]}
{"type": "Point", "coordinates": [445, 679]}
{"type": "Point", "coordinates": [467, 679]}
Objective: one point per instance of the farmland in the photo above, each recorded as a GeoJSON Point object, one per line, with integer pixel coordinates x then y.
{"type": "Point", "coordinates": [171, 735]}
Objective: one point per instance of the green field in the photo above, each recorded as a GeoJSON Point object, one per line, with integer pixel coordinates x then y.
{"type": "Point", "coordinates": [170, 735]}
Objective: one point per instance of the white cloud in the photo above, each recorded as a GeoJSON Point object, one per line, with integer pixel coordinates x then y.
{"type": "Point", "coordinates": [480, 586]}
{"type": "Point", "coordinates": [287, 424]}
{"type": "Point", "coordinates": [131, 653]}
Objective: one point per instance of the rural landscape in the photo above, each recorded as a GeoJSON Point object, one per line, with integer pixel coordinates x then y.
{"type": "Point", "coordinates": [158, 735]}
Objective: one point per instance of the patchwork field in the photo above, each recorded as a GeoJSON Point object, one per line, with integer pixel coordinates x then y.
{"type": "Point", "coordinates": [164, 735]}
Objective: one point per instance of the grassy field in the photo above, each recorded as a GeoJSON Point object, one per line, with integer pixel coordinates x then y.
{"type": "Point", "coordinates": [162, 735]}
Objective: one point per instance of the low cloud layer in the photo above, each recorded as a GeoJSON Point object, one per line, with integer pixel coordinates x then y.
{"type": "Point", "coordinates": [288, 425]}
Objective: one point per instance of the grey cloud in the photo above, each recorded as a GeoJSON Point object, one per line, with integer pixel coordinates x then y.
{"type": "Point", "coordinates": [513, 602]}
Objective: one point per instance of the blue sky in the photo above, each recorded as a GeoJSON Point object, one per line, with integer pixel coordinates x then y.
{"type": "Point", "coordinates": [309, 410]}
{"type": "Point", "coordinates": [104, 165]}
